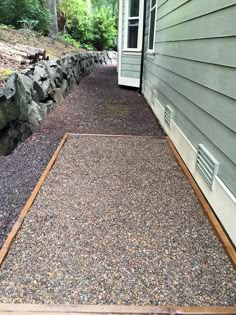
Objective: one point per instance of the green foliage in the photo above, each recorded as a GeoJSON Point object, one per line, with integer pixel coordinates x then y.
{"type": "Point", "coordinates": [78, 20]}
{"type": "Point", "coordinates": [104, 29]}
{"type": "Point", "coordinates": [109, 4]}
{"type": "Point", "coordinates": [28, 13]}
{"type": "Point", "coordinates": [67, 40]}
{"type": "Point", "coordinates": [94, 29]}
{"type": "Point", "coordinates": [90, 26]}
{"type": "Point", "coordinates": [5, 73]}
{"type": "Point", "coordinates": [6, 27]}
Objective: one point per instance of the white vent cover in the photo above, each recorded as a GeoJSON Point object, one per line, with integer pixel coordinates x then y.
{"type": "Point", "coordinates": [207, 165]}
{"type": "Point", "coordinates": [154, 96]}
{"type": "Point", "coordinates": [168, 114]}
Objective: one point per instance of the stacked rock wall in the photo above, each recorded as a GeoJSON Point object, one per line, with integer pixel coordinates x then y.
{"type": "Point", "coordinates": [28, 97]}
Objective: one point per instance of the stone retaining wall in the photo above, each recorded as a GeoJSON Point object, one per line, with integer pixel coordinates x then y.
{"type": "Point", "coordinates": [28, 97]}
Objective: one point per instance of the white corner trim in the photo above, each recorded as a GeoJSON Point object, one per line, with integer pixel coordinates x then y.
{"type": "Point", "coordinates": [220, 198]}
{"type": "Point", "coordinates": [120, 38]}
{"type": "Point", "coordinates": [128, 81]}
{"type": "Point", "coordinates": [155, 25]}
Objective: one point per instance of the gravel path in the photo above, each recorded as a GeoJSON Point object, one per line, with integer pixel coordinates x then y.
{"type": "Point", "coordinates": [97, 105]}
{"type": "Point", "coordinates": [110, 226]}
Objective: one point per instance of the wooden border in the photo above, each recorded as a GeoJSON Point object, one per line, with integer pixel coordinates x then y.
{"type": "Point", "coordinates": [117, 309]}
{"type": "Point", "coordinates": [116, 136]}
{"type": "Point", "coordinates": [6, 246]}
{"type": "Point", "coordinates": [114, 309]}
{"type": "Point", "coordinates": [205, 205]}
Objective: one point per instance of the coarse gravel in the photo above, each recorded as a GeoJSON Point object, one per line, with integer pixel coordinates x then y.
{"type": "Point", "coordinates": [97, 105]}
{"type": "Point", "coordinates": [117, 222]}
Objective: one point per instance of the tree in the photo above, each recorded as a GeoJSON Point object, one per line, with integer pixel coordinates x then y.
{"type": "Point", "coordinates": [104, 30]}
{"type": "Point", "coordinates": [109, 4]}
{"type": "Point", "coordinates": [25, 12]}
{"type": "Point", "coordinates": [52, 7]}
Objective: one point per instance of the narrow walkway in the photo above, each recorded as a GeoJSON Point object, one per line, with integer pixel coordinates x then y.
{"type": "Point", "coordinates": [116, 222]}
{"type": "Point", "coordinates": [97, 105]}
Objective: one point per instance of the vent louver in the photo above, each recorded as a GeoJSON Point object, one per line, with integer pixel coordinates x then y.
{"type": "Point", "coordinates": [154, 96]}
{"type": "Point", "coordinates": [168, 114]}
{"type": "Point", "coordinates": [207, 165]}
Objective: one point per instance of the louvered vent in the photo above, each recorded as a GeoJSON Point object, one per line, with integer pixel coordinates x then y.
{"type": "Point", "coordinates": [207, 165]}
{"type": "Point", "coordinates": [154, 96]}
{"type": "Point", "coordinates": [168, 114]}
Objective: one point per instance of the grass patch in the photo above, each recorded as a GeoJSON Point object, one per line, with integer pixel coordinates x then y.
{"type": "Point", "coordinates": [5, 73]}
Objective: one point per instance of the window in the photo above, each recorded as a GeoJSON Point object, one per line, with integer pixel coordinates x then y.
{"type": "Point", "coordinates": [133, 24]}
{"type": "Point", "coordinates": [152, 24]}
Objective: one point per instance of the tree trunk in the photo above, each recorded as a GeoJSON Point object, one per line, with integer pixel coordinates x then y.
{"type": "Point", "coordinates": [52, 6]}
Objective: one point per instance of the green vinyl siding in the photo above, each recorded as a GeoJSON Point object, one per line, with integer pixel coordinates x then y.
{"type": "Point", "coordinates": [217, 24]}
{"type": "Point", "coordinates": [130, 66]}
{"type": "Point", "coordinates": [190, 11]}
{"type": "Point", "coordinates": [198, 50]}
{"type": "Point", "coordinates": [194, 71]}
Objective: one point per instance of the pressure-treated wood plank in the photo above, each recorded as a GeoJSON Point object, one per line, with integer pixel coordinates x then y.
{"type": "Point", "coordinates": [194, 310]}
{"type": "Point", "coordinates": [84, 309]}
{"type": "Point", "coordinates": [36, 309]}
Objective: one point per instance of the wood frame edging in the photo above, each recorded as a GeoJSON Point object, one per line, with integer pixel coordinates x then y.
{"type": "Point", "coordinates": [116, 136]}
{"type": "Point", "coordinates": [115, 309]}
{"type": "Point", "coordinates": [229, 248]}
{"type": "Point", "coordinates": [6, 245]}
{"type": "Point", "coordinates": [119, 309]}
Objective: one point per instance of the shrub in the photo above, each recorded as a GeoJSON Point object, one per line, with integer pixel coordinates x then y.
{"type": "Point", "coordinates": [78, 20]}
{"type": "Point", "coordinates": [31, 13]}
{"type": "Point", "coordinates": [96, 29]}
{"type": "Point", "coordinates": [67, 39]}
{"type": "Point", "coordinates": [104, 30]}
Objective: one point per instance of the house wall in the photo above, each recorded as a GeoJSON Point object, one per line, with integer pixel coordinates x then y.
{"type": "Point", "coordinates": [193, 69]}
{"type": "Point", "coordinates": [129, 62]}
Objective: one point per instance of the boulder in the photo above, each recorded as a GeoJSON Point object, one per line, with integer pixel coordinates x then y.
{"type": "Point", "coordinates": [29, 96]}
{"type": "Point", "coordinates": [35, 114]}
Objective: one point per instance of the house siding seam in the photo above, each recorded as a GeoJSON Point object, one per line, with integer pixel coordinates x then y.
{"type": "Point", "coordinates": [193, 71]}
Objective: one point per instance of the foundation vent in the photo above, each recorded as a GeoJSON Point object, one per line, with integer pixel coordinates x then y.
{"type": "Point", "coordinates": [207, 165]}
{"type": "Point", "coordinates": [168, 114]}
{"type": "Point", "coordinates": [154, 96]}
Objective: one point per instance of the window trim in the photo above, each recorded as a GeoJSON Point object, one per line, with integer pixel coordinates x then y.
{"type": "Point", "coordinates": [151, 8]}
{"type": "Point", "coordinates": [140, 27]}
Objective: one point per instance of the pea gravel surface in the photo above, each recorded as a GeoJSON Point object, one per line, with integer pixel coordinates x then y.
{"type": "Point", "coordinates": [116, 222]}
{"type": "Point", "coordinates": [96, 105]}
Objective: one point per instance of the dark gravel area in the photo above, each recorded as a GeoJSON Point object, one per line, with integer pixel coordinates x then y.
{"type": "Point", "coordinates": [97, 105]}
{"type": "Point", "coordinates": [117, 222]}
